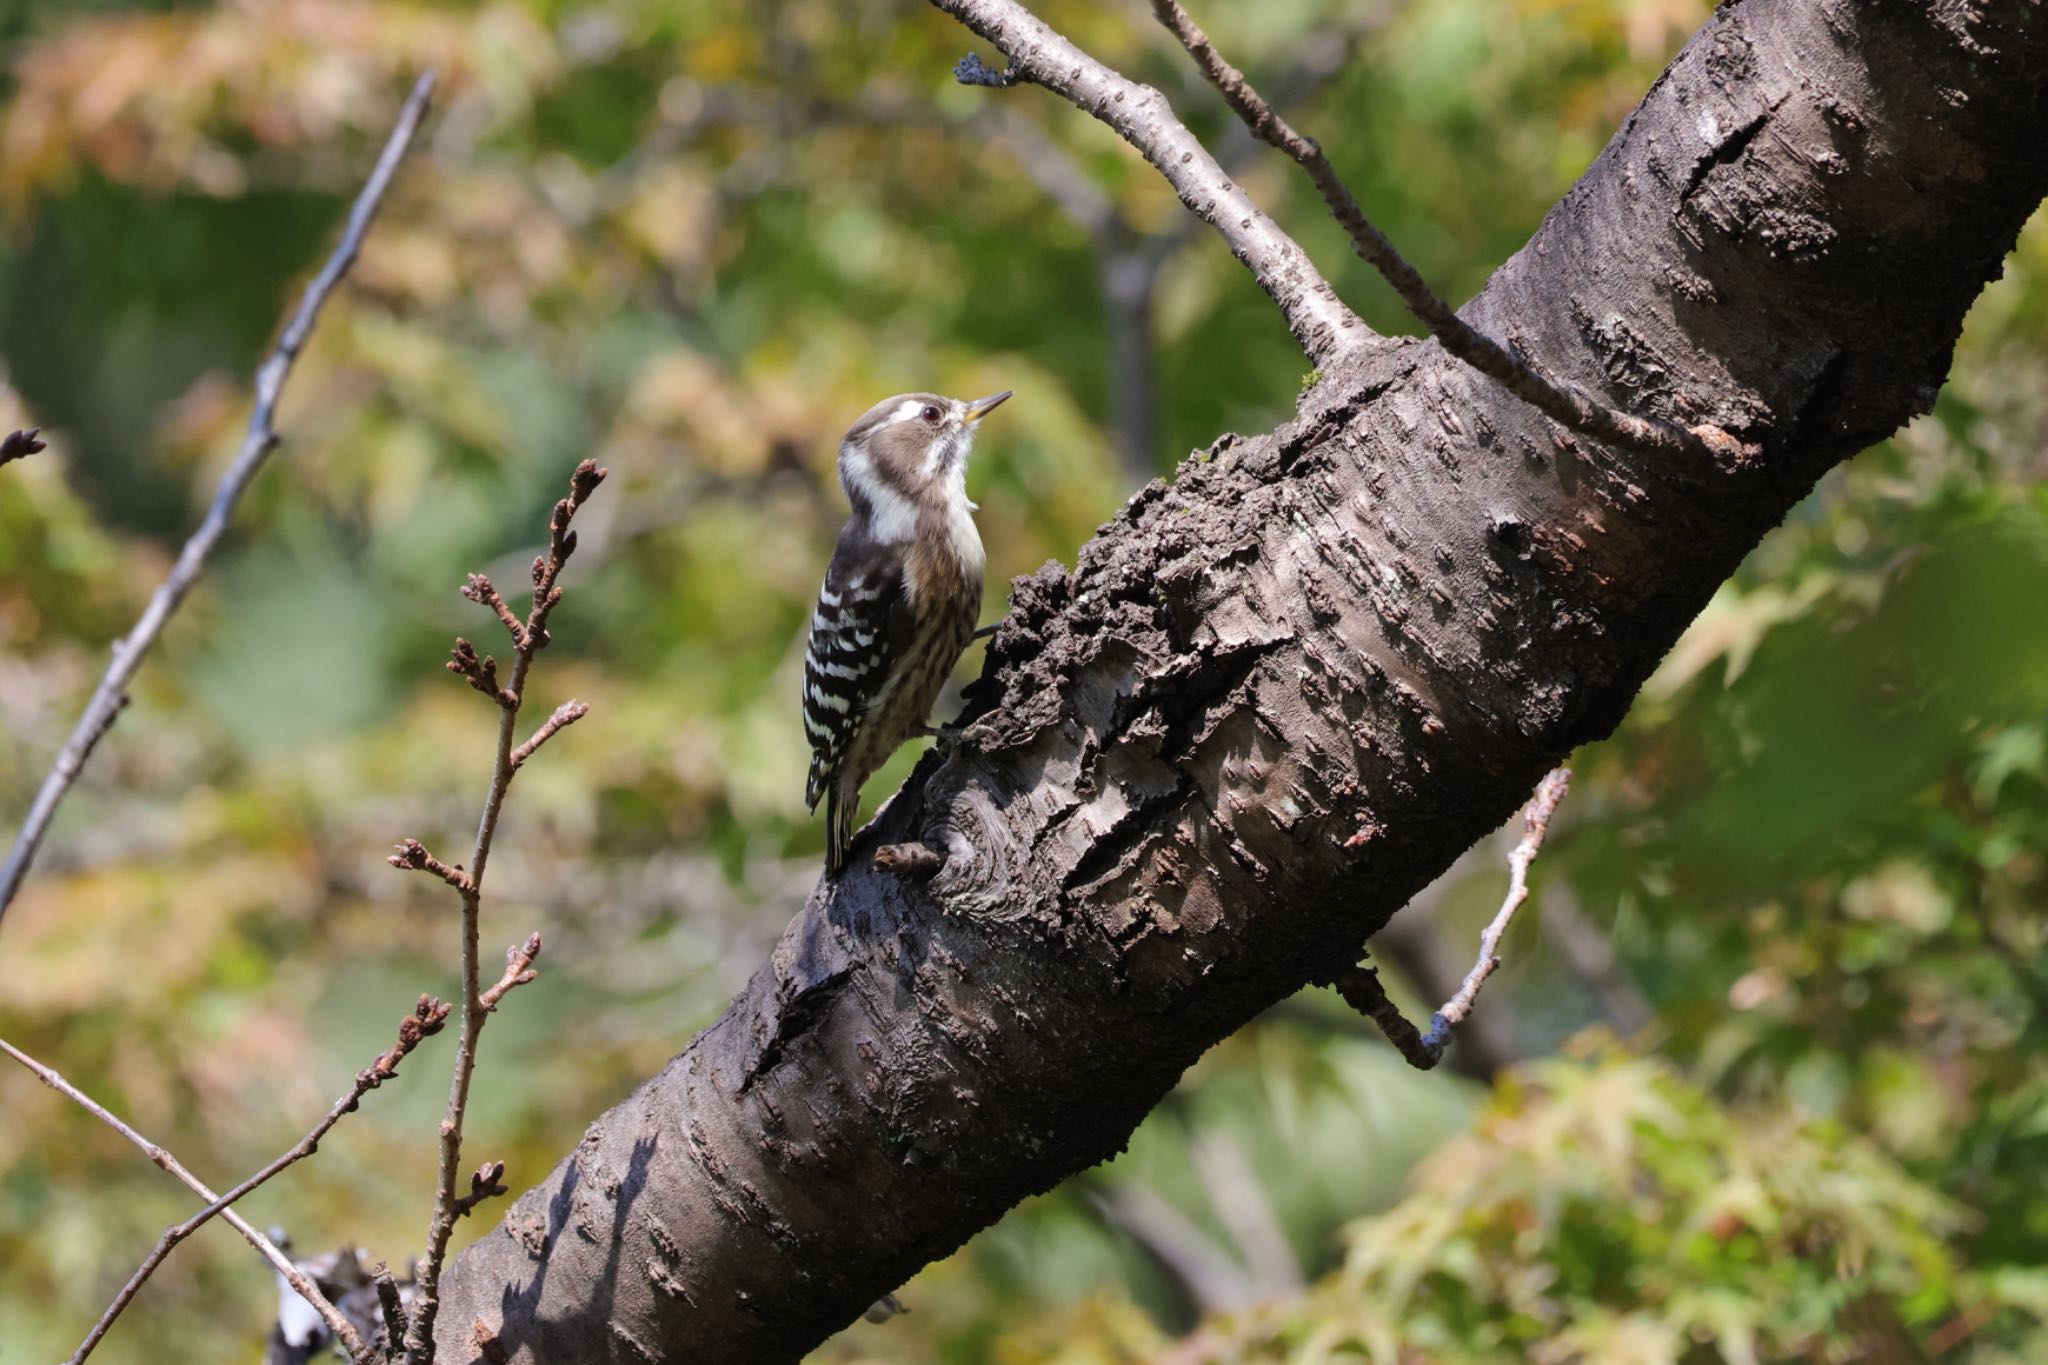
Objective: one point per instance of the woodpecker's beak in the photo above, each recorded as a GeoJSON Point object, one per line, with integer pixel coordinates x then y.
{"type": "Point", "coordinates": [982, 407]}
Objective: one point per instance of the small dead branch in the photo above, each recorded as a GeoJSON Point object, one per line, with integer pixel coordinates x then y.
{"type": "Point", "coordinates": [391, 1305]}
{"type": "Point", "coordinates": [344, 1333]}
{"type": "Point", "coordinates": [111, 694]}
{"type": "Point", "coordinates": [426, 1019]}
{"type": "Point", "coordinates": [19, 445]}
{"type": "Point", "coordinates": [529, 637]}
{"type": "Point", "coordinates": [909, 860]}
{"type": "Point", "coordinates": [1360, 985]}
{"type": "Point", "coordinates": [1570, 406]}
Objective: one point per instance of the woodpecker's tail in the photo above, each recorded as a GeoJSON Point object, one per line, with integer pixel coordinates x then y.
{"type": "Point", "coordinates": [841, 807]}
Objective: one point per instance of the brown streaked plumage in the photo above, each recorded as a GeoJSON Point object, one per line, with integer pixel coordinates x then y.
{"type": "Point", "coordinates": [901, 598]}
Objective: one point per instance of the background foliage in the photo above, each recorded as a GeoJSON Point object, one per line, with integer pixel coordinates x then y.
{"type": "Point", "coordinates": [695, 240]}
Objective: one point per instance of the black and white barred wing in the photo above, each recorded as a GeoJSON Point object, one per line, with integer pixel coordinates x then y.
{"type": "Point", "coordinates": [856, 636]}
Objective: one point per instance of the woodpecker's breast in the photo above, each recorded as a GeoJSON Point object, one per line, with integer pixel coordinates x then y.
{"type": "Point", "coordinates": [946, 558]}
{"type": "Point", "coordinates": [942, 583]}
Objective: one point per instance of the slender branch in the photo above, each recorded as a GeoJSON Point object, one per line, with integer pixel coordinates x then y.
{"type": "Point", "coordinates": [111, 695]}
{"type": "Point", "coordinates": [1566, 404]}
{"type": "Point", "coordinates": [518, 971]}
{"type": "Point", "coordinates": [1360, 984]}
{"type": "Point", "coordinates": [567, 714]}
{"type": "Point", "coordinates": [1128, 262]}
{"type": "Point", "coordinates": [481, 590]}
{"type": "Point", "coordinates": [1140, 115]}
{"type": "Point", "coordinates": [426, 1019]}
{"type": "Point", "coordinates": [1360, 987]}
{"type": "Point", "coordinates": [344, 1332]}
{"type": "Point", "coordinates": [529, 638]}
{"type": "Point", "coordinates": [412, 856]}
{"type": "Point", "coordinates": [19, 445]}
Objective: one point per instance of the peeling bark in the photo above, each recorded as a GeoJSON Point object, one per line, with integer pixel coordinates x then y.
{"type": "Point", "coordinates": [1274, 699]}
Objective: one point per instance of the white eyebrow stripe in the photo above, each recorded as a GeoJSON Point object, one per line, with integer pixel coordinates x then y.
{"type": "Point", "coordinates": [907, 409]}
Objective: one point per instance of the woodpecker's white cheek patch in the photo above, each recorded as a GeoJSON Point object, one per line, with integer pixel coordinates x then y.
{"type": "Point", "coordinates": [892, 518]}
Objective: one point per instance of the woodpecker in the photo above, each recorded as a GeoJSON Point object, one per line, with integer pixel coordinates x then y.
{"type": "Point", "coordinates": [901, 598]}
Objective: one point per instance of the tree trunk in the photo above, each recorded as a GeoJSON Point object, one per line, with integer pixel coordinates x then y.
{"type": "Point", "coordinates": [1277, 697]}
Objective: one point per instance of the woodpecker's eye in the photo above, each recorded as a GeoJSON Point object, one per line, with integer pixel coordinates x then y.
{"type": "Point", "coordinates": [930, 414]}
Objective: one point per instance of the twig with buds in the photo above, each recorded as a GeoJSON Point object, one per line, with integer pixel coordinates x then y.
{"type": "Point", "coordinates": [426, 1019]}
{"type": "Point", "coordinates": [1360, 984]}
{"type": "Point", "coordinates": [529, 637]}
{"type": "Point", "coordinates": [345, 1334]}
{"type": "Point", "coordinates": [112, 693]}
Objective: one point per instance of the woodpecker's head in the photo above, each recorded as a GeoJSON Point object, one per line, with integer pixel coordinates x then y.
{"type": "Point", "coordinates": [910, 450]}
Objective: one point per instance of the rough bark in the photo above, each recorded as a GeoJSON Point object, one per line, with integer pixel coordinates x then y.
{"type": "Point", "coordinates": [1274, 699]}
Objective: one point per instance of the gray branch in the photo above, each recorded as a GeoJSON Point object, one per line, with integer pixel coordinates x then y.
{"type": "Point", "coordinates": [1139, 114]}
{"type": "Point", "coordinates": [112, 693]}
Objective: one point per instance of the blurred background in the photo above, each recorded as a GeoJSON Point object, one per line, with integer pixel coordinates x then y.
{"type": "Point", "coordinates": [1762, 1078]}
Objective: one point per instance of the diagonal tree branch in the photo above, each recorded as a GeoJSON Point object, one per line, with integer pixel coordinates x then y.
{"type": "Point", "coordinates": [1360, 985]}
{"type": "Point", "coordinates": [345, 1333]}
{"type": "Point", "coordinates": [426, 1019]}
{"type": "Point", "coordinates": [1139, 114]}
{"type": "Point", "coordinates": [1573, 407]}
{"type": "Point", "coordinates": [112, 693]}
{"type": "Point", "coordinates": [1128, 261]}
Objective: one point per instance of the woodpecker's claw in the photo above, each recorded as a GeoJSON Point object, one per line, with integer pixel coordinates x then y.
{"type": "Point", "coordinates": [945, 738]}
{"type": "Point", "coordinates": [986, 631]}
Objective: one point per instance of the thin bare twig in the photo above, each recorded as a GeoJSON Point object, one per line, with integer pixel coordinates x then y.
{"type": "Point", "coordinates": [568, 713]}
{"type": "Point", "coordinates": [1139, 114]}
{"type": "Point", "coordinates": [518, 971]}
{"type": "Point", "coordinates": [529, 638]}
{"type": "Point", "coordinates": [351, 1341]}
{"type": "Point", "coordinates": [1128, 261]}
{"type": "Point", "coordinates": [19, 445]}
{"type": "Point", "coordinates": [1360, 984]}
{"type": "Point", "coordinates": [1568, 405]}
{"type": "Point", "coordinates": [112, 693]}
{"type": "Point", "coordinates": [481, 590]}
{"type": "Point", "coordinates": [425, 1020]}
{"type": "Point", "coordinates": [412, 856]}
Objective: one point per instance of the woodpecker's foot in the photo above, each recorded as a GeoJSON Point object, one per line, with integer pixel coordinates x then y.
{"type": "Point", "coordinates": [909, 860]}
{"type": "Point", "coordinates": [987, 630]}
{"type": "Point", "coordinates": [945, 738]}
